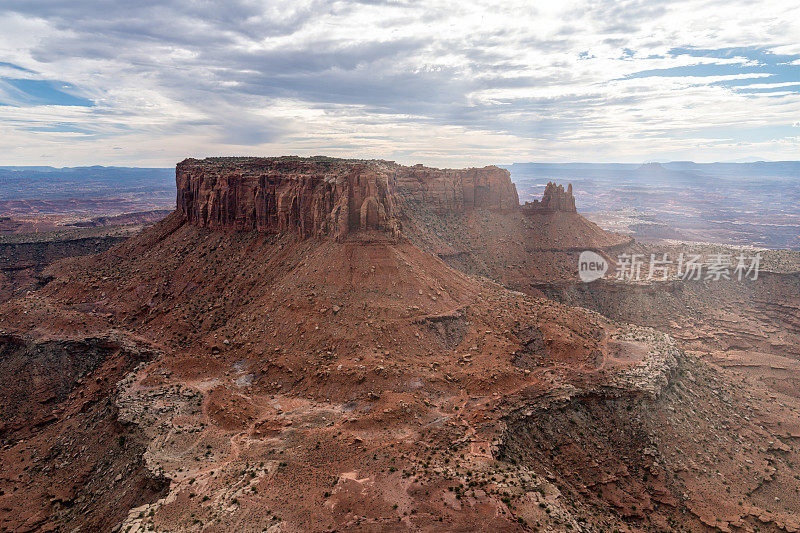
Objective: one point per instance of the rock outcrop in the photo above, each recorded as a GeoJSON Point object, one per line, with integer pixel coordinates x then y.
{"type": "Point", "coordinates": [447, 190]}
{"type": "Point", "coordinates": [325, 196]}
{"type": "Point", "coordinates": [309, 196]}
{"type": "Point", "coordinates": [555, 198]}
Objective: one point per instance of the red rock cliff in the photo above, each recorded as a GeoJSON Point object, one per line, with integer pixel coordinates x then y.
{"type": "Point", "coordinates": [456, 190]}
{"type": "Point", "coordinates": [310, 196]}
{"type": "Point", "coordinates": [323, 196]}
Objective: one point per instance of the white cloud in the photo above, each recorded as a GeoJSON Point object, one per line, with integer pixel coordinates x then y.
{"type": "Point", "coordinates": [440, 82]}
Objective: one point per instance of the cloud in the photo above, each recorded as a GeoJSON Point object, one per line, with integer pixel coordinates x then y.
{"type": "Point", "coordinates": [441, 82]}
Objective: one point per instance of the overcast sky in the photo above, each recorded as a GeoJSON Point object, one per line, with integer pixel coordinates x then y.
{"type": "Point", "coordinates": [150, 82]}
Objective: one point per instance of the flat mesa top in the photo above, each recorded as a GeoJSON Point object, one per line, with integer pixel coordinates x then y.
{"type": "Point", "coordinates": [317, 160]}
{"type": "Point", "coordinates": [244, 160]}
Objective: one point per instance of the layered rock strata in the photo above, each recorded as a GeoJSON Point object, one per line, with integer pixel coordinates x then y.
{"type": "Point", "coordinates": [324, 196]}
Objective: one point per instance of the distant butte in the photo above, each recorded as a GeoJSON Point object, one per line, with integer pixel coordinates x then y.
{"type": "Point", "coordinates": [554, 199]}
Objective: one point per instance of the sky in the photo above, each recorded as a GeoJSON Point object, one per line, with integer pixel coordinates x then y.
{"type": "Point", "coordinates": [444, 83]}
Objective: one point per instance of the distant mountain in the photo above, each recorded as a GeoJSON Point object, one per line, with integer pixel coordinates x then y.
{"type": "Point", "coordinates": [32, 168]}
{"type": "Point", "coordinates": [756, 168]}
{"type": "Point", "coordinates": [41, 182]}
{"type": "Point", "coordinates": [585, 170]}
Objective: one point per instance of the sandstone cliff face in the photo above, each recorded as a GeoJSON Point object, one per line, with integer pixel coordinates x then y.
{"type": "Point", "coordinates": [555, 198]}
{"type": "Point", "coordinates": [307, 196]}
{"type": "Point", "coordinates": [456, 190]}
{"type": "Point", "coordinates": [322, 196]}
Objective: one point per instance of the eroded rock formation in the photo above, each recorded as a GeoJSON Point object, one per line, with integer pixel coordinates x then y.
{"type": "Point", "coordinates": [283, 194]}
{"type": "Point", "coordinates": [324, 196]}
{"type": "Point", "coordinates": [555, 198]}
{"type": "Point", "coordinates": [447, 190]}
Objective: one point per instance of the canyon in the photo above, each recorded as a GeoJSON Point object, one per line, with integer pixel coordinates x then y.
{"type": "Point", "coordinates": [317, 344]}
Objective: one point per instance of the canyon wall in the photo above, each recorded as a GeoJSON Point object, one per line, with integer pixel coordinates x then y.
{"type": "Point", "coordinates": [447, 190]}
{"type": "Point", "coordinates": [325, 196]}
{"type": "Point", "coordinates": [275, 195]}
{"type": "Point", "coordinates": [23, 259]}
